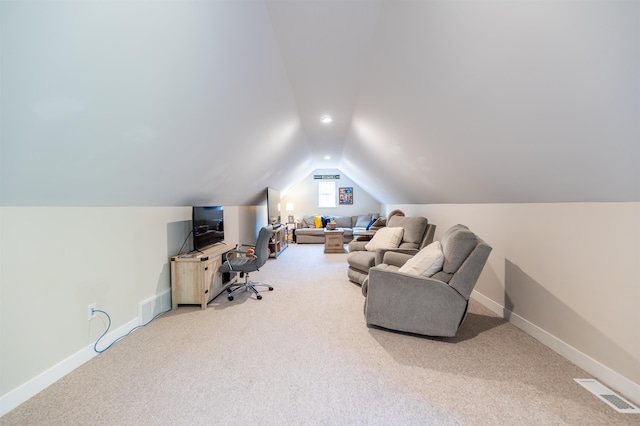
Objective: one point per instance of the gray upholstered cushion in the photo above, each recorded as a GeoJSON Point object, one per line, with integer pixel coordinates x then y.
{"type": "Point", "coordinates": [442, 276]}
{"type": "Point", "coordinates": [392, 258]}
{"type": "Point", "coordinates": [308, 221]}
{"type": "Point", "coordinates": [450, 231]}
{"type": "Point", "coordinates": [414, 228]}
{"type": "Point", "coordinates": [456, 248]}
{"type": "Point", "coordinates": [357, 245]}
{"type": "Point", "coordinates": [343, 221]}
{"type": "Point", "coordinates": [362, 221]}
{"type": "Point", "coordinates": [365, 286]}
{"type": "Point", "coordinates": [361, 260]}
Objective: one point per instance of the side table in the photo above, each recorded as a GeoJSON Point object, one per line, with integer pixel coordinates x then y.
{"type": "Point", "coordinates": [334, 240]}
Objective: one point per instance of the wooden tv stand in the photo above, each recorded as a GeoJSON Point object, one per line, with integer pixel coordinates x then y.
{"type": "Point", "coordinates": [196, 277]}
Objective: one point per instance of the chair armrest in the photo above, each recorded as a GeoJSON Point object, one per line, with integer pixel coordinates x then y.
{"type": "Point", "coordinates": [357, 246]}
{"type": "Point", "coordinates": [395, 258]}
{"type": "Point", "coordinates": [381, 252]}
{"type": "Point", "coordinates": [238, 251]}
{"type": "Point", "coordinates": [413, 304]}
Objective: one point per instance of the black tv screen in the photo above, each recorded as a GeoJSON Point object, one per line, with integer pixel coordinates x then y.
{"type": "Point", "coordinates": [208, 226]}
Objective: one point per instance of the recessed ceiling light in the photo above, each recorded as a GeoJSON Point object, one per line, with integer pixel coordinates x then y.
{"type": "Point", "coordinates": [326, 119]}
{"type": "Point", "coordinates": [327, 157]}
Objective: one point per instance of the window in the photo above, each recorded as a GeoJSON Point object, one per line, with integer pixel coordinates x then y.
{"type": "Point", "coordinates": [326, 194]}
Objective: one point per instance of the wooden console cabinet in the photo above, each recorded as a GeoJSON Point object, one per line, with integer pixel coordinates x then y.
{"type": "Point", "coordinates": [196, 279]}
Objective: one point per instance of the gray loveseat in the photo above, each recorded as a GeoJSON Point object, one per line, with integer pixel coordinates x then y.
{"type": "Point", "coordinates": [434, 306]}
{"type": "Point", "coordinates": [307, 233]}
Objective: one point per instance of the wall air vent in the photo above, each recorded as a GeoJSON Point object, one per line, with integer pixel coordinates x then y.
{"type": "Point", "coordinates": [616, 402]}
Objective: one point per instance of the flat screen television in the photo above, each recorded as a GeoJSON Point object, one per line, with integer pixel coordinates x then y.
{"type": "Point", "coordinates": [208, 226]}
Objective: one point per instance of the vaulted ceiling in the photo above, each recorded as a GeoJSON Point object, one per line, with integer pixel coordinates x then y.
{"type": "Point", "coordinates": [183, 102]}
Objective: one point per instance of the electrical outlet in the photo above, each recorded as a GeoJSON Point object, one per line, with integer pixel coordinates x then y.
{"type": "Point", "coordinates": [90, 311]}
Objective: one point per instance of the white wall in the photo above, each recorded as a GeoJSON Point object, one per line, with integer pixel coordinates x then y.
{"type": "Point", "coordinates": [571, 270]}
{"type": "Point", "coordinates": [304, 197]}
{"type": "Point", "coordinates": [57, 260]}
{"type": "Point", "coordinates": [250, 220]}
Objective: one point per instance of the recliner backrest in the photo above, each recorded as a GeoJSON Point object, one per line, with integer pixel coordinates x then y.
{"type": "Point", "coordinates": [464, 258]}
{"type": "Point", "coordinates": [429, 233]}
{"type": "Point", "coordinates": [465, 278]}
{"type": "Point", "coordinates": [456, 246]}
{"type": "Point", "coordinates": [414, 229]}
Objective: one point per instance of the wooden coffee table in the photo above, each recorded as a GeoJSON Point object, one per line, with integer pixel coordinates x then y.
{"type": "Point", "coordinates": [334, 240]}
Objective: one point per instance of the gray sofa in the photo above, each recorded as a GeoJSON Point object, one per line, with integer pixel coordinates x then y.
{"type": "Point", "coordinates": [418, 233]}
{"type": "Point", "coordinates": [434, 306]}
{"type": "Point", "coordinates": [307, 233]}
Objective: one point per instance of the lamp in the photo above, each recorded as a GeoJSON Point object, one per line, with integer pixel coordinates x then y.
{"type": "Point", "coordinates": [289, 208]}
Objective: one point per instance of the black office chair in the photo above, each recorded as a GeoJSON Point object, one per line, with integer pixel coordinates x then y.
{"type": "Point", "coordinates": [245, 261]}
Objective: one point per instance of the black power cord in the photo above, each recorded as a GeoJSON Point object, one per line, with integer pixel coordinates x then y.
{"type": "Point", "coordinates": [185, 241]}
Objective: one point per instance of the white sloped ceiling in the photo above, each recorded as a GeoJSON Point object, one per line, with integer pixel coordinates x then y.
{"type": "Point", "coordinates": [467, 102]}
{"type": "Point", "coordinates": [145, 103]}
{"type": "Point", "coordinates": [186, 102]}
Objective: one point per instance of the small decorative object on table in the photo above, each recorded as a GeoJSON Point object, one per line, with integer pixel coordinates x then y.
{"type": "Point", "coordinates": [331, 225]}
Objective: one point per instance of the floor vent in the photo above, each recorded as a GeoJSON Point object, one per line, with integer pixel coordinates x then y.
{"type": "Point", "coordinates": [615, 401]}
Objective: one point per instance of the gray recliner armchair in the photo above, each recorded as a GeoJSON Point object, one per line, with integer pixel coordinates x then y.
{"type": "Point", "coordinates": [418, 233]}
{"type": "Point", "coordinates": [433, 306]}
{"type": "Point", "coordinates": [246, 261]}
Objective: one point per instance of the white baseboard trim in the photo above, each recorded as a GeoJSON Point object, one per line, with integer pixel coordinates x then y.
{"type": "Point", "coordinates": [603, 373]}
{"type": "Point", "coordinates": [152, 307]}
{"type": "Point", "coordinates": [147, 310]}
{"type": "Point", "coordinates": [22, 393]}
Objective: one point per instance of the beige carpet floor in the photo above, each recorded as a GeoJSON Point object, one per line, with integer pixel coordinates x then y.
{"type": "Point", "coordinates": [303, 355]}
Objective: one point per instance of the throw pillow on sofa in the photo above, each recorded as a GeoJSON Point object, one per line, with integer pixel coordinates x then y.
{"type": "Point", "coordinates": [426, 262]}
{"type": "Point", "coordinates": [379, 223]}
{"type": "Point", "coordinates": [326, 220]}
{"type": "Point", "coordinates": [309, 221]}
{"type": "Point", "coordinates": [318, 221]}
{"type": "Point", "coordinates": [385, 238]}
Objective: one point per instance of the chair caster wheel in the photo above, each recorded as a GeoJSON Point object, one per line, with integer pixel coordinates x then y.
{"type": "Point", "coordinates": [230, 297]}
{"type": "Point", "coordinates": [270, 288]}
{"type": "Point", "coordinates": [259, 297]}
